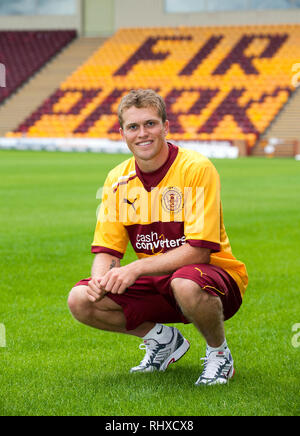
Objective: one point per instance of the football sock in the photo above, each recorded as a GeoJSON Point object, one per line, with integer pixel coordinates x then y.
{"type": "Point", "coordinates": [161, 333]}
{"type": "Point", "coordinates": [222, 347]}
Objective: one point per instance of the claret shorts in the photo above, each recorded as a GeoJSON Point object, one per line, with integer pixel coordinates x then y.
{"type": "Point", "coordinates": [151, 298]}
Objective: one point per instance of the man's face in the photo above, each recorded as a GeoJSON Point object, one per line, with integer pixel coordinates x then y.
{"type": "Point", "coordinates": [145, 134]}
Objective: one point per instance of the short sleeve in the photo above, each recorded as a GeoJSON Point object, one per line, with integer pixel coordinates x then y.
{"type": "Point", "coordinates": [110, 234]}
{"type": "Point", "coordinates": [203, 207]}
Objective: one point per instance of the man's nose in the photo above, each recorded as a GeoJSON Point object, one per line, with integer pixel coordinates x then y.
{"type": "Point", "coordinates": [143, 132]}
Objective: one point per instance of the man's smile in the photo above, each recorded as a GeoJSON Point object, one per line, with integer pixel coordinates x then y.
{"type": "Point", "coordinates": [144, 143]}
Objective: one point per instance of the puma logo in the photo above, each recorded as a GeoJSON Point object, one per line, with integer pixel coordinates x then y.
{"type": "Point", "coordinates": [131, 203]}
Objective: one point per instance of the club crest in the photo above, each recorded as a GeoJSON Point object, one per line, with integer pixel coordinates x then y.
{"type": "Point", "coordinates": [172, 199]}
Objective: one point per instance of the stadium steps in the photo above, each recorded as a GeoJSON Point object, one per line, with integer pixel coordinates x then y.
{"type": "Point", "coordinates": [282, 149]}
{"type": "Point", "coordinates": [30, 96]}
{"type": "Point", "coordinates": [287, 124]}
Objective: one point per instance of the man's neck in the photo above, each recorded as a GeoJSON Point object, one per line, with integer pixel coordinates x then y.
{"type": "Point", "coordinates": [153, 178]}
{"type": "Point", "coordinates": [151, 165]}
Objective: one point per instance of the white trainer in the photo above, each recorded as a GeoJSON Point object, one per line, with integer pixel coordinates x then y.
{"type": "Point", "coordinates": [159, 356]}
{"type": "Point", "coordinates": [218, 368]}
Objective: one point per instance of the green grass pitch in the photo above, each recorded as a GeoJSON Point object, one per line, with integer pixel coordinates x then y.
{"type": "Point", "coordinates": [52, 365]}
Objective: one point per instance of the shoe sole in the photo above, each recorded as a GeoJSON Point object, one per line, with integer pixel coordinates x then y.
{"type": "Point", "coordinates": [178, 354]}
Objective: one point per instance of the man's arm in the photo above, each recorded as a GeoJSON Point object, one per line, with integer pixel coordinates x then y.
{"type": "Point", "coordinates": [103, 262]}
{"type": "Point", "coordinates": [118, 279]}
{"type": "Point", "coordinates": [171, 261]}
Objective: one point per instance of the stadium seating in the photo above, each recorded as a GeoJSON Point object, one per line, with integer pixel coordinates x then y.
{"type": "Point", "coordinates": [219, 83]}
{"type": "Point", "coordinates": [23, 53]}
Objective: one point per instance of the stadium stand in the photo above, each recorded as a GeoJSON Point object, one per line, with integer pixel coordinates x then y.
{"type": "Point", "coordinates": [287, 123]}
{"type": "Point", "coordinates": [23, 102]}
{"type": "Point", "coordinates": [220, 83]}
{"type": "Point", "coordinates": [275, 147]}
{"type": "Point", "coordinates": [23, 53]}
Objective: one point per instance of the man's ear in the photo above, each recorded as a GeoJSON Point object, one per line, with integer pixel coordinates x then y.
{"type": "Point", "coordinates": [122, 133]}
{"type": "Point", "coordinates": [167, 127]}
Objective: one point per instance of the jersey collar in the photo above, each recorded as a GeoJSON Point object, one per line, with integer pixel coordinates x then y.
{"type": "Point", "coordinates": [150, 180]}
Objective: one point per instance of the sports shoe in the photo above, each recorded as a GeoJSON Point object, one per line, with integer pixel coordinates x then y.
{"type": "Point", "coordinates": [159, 356]}
{"type": "Point", "coordinates": [218, 368]}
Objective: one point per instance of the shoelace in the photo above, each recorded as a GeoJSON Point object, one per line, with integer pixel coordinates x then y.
{"type": "Point", "coordinates": [149, 353]}
{"type": "Point", "coordinates": [211, 366]}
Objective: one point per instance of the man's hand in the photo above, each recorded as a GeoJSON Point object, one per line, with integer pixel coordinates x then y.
{"type": "Point", "coordinates": [95, 292]}
{"type": "Point", "coordinates": [103, 262]}
{"type": "Point", "coordinates": [117, 280]}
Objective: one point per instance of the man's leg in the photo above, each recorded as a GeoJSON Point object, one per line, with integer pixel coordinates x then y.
{"type": "Point", "coordinates": [164, 344]}
{"type": "Point", "coordinates": [103, 315]}
{"type": "Point", "coordinates": [205, 311]}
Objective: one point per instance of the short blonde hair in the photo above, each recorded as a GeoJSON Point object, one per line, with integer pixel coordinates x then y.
{"type": "Point", "coordinates": [142, 98]}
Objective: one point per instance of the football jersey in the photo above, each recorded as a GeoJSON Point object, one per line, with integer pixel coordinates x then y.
{"type": "Point", "coordinates": [178, 203]}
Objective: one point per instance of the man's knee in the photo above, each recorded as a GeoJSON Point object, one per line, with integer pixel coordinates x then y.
{"type": "Point", "coordinates": [185, 289]}
{"type": "Point", "coordinates": [83, 309]}
{"type": "Point", "coordinates": [189, 295]}
{"type": "Point", "coordinates": [79, 304]}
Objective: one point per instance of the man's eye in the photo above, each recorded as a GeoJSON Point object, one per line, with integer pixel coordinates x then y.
{"type": "Point", "coordinates": [151, 123]}
{"type": "Point", "coordinates": [133, 127]}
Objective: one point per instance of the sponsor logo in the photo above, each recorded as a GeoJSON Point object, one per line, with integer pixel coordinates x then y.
{"type": "Point", "coordinates": [156, 243]}
{"type": "Point", "coordinates": [201, 272]}
{"type": "Point", "coordinates": [160, 331]}
{"type": "Point", "coordinates": [131, 203]}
